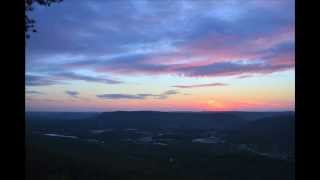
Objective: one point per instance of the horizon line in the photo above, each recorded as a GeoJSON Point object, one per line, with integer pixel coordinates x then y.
{"type": "Point", "coordinates": [152, 111]}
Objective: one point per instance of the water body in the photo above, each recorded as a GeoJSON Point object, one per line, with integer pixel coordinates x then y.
{"type": "Point", "coordinates": [208, 140]}
{"type": "Point", "coordinates": [60, 135]}
{"type": "Point", "coordinates": [99, 131]}
{"type": "Point", "coordinates": [161, 144]}
{"type": "Point", "coordinates": [94, 141]}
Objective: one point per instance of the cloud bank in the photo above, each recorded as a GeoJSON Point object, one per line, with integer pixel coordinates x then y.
{"type": "Point", "coordinates": [187, 38]}
{"type": "Point", "coordinates": [163, 95]}
{"type": "Point", "coordinates": [200, 85]}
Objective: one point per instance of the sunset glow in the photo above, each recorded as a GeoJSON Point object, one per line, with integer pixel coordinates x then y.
{"type": "Point", "coordinates": [162, 55]}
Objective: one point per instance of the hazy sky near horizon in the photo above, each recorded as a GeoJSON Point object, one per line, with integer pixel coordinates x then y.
{"type": "Point", "coordinates": [197, 55]}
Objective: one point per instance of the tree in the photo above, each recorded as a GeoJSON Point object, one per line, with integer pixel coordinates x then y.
{"type": "Point", "coordinates": [29, 22]}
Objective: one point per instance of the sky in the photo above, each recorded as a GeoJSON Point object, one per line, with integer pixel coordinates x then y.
{"type": "Point", "coordinates": [180, 55]}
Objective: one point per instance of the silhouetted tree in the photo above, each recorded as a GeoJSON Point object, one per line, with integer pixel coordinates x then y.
{"type": "Point", "coordinates": [29, 22]}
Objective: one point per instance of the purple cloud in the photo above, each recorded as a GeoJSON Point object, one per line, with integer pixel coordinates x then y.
{"type": "Point", "coordinates": [232, 68]}
{"type": "Point", "coordinates": [72, 93]}
{"type": "Point", "coordinates": [121, 96]}
{"type": "Point", "coordinates": [60, 77]}
{"type": "Point", "coordinates": [200, 85]}
{"type": "Point", "coordinates": [34, 92]}
{"type": "Point", "coordinates": [35, 80]}
{"type": "Point", "coordinates": [163, 95]}
{"type": "Point", "coordinates": [74, 76]}
{"type": "Point", "coordinates": [161, 38]}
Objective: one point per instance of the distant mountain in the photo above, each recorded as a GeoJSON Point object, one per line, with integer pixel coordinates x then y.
{"type": "Point", "coordinates": [252, 116]}
{"type": "Point", "coordinates": [60, 115]}
{"type": "Point", "coordinates": [276, 125]}
{"type": "Point", "coordinates": [153, 119]}
{"type": "Point", "coordinates": [277, 132]}
{"type": "Point", "coordinates": [145, 120]}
